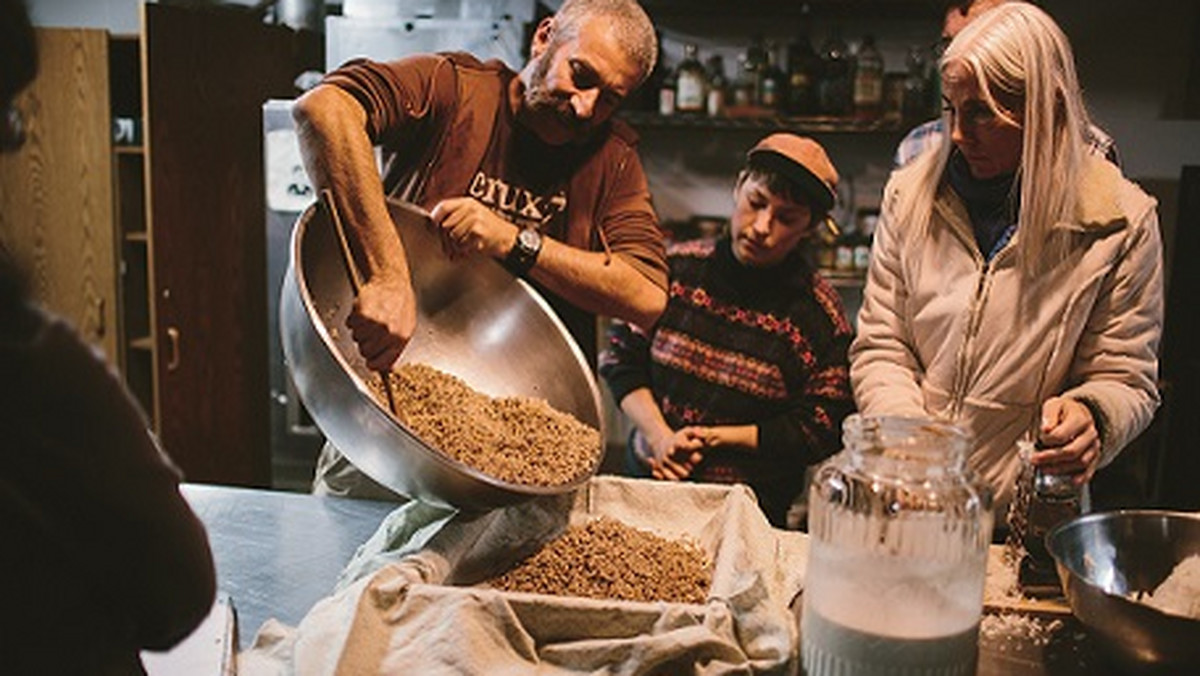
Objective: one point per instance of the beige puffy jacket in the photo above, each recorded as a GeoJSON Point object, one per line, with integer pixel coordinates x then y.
{"type": "Point", "coordinates": [942, 332]}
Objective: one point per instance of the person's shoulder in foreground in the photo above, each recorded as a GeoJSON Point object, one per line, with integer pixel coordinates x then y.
{"type": "Point", "coordinates": [102, 557]}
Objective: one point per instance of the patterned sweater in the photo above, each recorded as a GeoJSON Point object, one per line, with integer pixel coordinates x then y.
{"type": "Point", "coordinates": [738, 345]}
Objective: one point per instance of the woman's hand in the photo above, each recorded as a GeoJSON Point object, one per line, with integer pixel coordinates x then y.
{"type": "Point", "coordinates": [1068, 440]}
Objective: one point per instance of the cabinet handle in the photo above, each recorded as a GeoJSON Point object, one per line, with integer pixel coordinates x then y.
{"type": "Point", "coordinates": [173, 336]}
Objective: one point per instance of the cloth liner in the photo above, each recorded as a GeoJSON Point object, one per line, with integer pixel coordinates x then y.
{"type": "Point", "coordinates": [404, 604]}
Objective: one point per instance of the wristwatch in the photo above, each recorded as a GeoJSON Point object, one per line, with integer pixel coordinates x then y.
{"type": "Point", "coordinates": [524, 252]}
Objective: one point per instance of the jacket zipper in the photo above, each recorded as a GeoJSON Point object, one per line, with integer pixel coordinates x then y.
{"type": "Point", "coordinates": [963, 363]}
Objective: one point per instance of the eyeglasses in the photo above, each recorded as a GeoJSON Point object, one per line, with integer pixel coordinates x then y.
{"type": "Point", "coordinates": [12, 129]}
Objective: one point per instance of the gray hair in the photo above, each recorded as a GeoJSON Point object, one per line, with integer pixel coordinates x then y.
{"type": "Point", "coordinates": [627, 21]}
{"type": "Point", "coordinates": [1017, 52]}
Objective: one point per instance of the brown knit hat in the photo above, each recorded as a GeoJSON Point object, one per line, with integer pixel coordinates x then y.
{"type": "Point", "coordinates": [802, 160]}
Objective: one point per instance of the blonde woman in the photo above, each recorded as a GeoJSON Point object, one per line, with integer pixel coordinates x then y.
{"type": "Point", "coordinates": [1015, 285]}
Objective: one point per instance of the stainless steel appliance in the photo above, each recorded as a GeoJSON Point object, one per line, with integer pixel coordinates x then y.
{"type": "Point", "coordinates": [295, 438]}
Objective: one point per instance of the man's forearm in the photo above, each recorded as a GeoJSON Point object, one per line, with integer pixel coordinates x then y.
{"type": "Point", "coordinates": [340, 157]}
{"type": "Point", "coordinates": [599, 283]}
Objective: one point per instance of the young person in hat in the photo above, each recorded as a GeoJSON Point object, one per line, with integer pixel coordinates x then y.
{"type": "Point", "coordinates": [745, 376]}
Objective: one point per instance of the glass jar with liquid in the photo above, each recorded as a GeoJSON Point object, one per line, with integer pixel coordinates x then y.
{"type": "Point", "coordinates": [899, 530]}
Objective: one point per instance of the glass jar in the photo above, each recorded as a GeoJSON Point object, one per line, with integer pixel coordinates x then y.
{"type": "Point", "coordinates": [898, 539]}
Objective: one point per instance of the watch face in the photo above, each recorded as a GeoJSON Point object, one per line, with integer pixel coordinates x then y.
{"type": "Point", "coordinates": [529, 239]}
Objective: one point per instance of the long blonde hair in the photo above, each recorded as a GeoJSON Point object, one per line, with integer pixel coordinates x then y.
{"type": "Point", "coordinates": [1016, 50]}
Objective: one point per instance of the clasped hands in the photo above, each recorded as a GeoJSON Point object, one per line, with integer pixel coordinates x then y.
{"type": "Point", "coordinates": [673, 455]}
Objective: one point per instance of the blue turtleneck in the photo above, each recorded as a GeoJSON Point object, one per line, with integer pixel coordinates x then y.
{"type": "Point", "coordinates": [992, 204]}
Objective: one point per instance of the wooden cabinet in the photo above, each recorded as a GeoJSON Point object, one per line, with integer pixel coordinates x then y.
{"type": "Point", "coordinates": [156, 249]}
{"type": "Point", "coordinates": [56, 197]}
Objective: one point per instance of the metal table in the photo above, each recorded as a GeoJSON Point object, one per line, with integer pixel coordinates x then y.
{"type": "Point", "coordinates": [278, 553]}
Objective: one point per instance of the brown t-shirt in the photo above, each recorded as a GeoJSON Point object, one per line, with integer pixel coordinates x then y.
{"type": "Point", "coordinates": [446, 130]}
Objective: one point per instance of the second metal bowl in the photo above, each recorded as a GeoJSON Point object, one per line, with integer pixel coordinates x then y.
{"type": "Point", "coordinates": [1103, 558]}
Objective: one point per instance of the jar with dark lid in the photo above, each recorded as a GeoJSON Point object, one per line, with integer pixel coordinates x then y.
{"type": "Point", "coordinates": [899, 530]}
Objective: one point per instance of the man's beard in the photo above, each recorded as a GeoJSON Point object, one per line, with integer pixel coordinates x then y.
{"type": "Point", "coordinates": [540, 102]}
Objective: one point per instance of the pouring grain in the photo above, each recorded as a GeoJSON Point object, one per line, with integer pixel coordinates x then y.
{"type": "Point", "coordinates": [606, 559]}
{"type": "Point", "coordinates": [520, 440]}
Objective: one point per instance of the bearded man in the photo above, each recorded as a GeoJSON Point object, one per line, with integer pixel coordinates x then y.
{"type": "Point", "coordinates": [529, 168]}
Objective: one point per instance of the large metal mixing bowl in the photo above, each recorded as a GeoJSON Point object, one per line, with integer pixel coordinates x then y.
{"type": "Point", "coordinates": [1103, 557]}
{"type": "Point", "coordinates": [475, 321]}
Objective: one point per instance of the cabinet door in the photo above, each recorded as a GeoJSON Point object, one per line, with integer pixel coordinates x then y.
{"type": "Point", "coordinates": [56, 193]}
{"type": "Point", "coordinates": [207, 74]}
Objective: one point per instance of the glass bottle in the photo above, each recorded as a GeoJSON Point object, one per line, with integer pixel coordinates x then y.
{"type": "Point", "coordinates": [666, 94]}
{"type": "Point", "coordinates": [718, 86]}
{"type": "Point", "coordinates": [898, 533]}
{"type": "Point", "coordinates": [868, 81]}
{"type": "Point", "coordinates": [690, 83]}
{"type": "Point", "coordinates": [772, 84]}
{"type": "Point", "coordinates": [742, 90]}
{"type": "Point", "coordinates": [753, 64]}
{"type": "Point", "coordinates": [834, 89]}
{"type": "Point", "coordinates": [916, 107]}
{"type": "Point", "coordinates": [804, 71]}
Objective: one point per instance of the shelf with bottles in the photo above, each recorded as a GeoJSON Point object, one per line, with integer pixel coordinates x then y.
{"type": "Point", "coordinates": [843, 253]}
{"type": "Point", "coordinates": [830, 78]}
{"type": "Point", "coordinates": [760, 119]}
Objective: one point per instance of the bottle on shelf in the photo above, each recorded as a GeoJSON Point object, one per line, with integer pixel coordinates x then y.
{"type": "Point", "coordinates": [893, 97]}
{"type": "Point", "coordinates": [843, 253]}
{"type": "Point", "coordinates": [748, 86]}
{"type": "Point", "coordinates": [868, 81]}
{"type": "Point", "coordinates": [773, 82]}
{"type": "Point", "coordinates": [742, 88]}
{"type": "Point", "coordinates": [825, 244]}
{"type": "Point", "coordinates": [916, 106]}
{"type": "Point", "coordinates": [864, 232]}
{"type": "Point", "coordinates": [690, 83]}
{"type": "Point", "coordinates": [718, 86]}
{"type": "Point", "coordinates": [804, 72]}
{"type": "Point", "coordinates": [666, 94]}
{"type": "Point", "coordinates": [835, 86]}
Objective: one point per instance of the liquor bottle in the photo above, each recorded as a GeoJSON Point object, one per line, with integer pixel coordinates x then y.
{"type": "Point", "coordinates": [868, 81]}
{"type": "Point", "coordinates": [773, 83]}
{"type": "Point", "coordinates": [825, 240]}
{"type": "Point", "coordinates": [753, 64]}
{"type": "Point", "coordinates": [690, 83]}
{"type": "Point", "coordinates": [742, 91]}
{"type": "Point", "coordinates": [843, 256]}
{"type": "Point", "coordinates": [835, 85]}
{"type": "Point", "coordinates": [666, 94]}
{"type": "Point", "coordinates": [718, 86]}
{"type": "Point", "coordinates": [647, 96]}
{"type": "Point", "coordinates": [804, 71]}
{"type": "Point", "coordinates": [916, 90]}
{"type": "Point", "coordinates": [866, 221]}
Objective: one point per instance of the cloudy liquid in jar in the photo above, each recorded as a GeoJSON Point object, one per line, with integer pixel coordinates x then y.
{"type": "Point", "coordinates": [871, 616]}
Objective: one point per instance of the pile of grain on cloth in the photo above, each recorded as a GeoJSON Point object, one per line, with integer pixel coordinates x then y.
{"type": "Point", "coordinates": [416, 597]}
